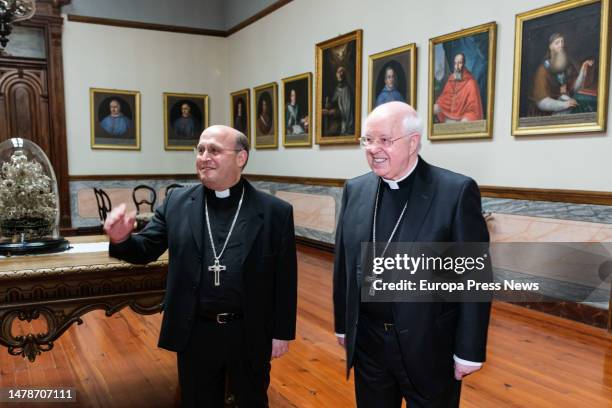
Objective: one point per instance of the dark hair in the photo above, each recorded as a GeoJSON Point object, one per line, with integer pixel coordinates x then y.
{"type": "Point", "coordinates": [265, 97]}
{"type": "Point", "coordinates": [553, 37]}
{"type": "Point", "coordinates": [242, 143]}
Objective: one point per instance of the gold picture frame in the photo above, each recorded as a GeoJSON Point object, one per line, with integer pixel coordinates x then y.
{"type": "Point", "coordinates": [240, 111]}
{"type": "Point", "coordinates": [548, 95]}
{"type": "Point", "coordinates": [185, 118]}
{"type": "Point", "coordinates": [462, 90]}
{"type": "Point", "coordinates": [114, 119]}
{"type": "Point", "coordinates": [297, 122]}
{"type": "Point", "coordinates": [266, 125]}
{"type": "Point", "coordinates": [338, 72]}
{"type": "Point", "coordinates": [402, 62]}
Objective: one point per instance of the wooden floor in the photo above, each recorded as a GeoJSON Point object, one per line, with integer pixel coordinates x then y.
{"type": "Point", "coordinates": [534, 360]}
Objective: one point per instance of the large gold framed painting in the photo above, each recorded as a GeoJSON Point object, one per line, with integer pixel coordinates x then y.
{"type": "Point", "coordinates": [561, 69]}
{"type": "Point", "coordinates": [338, 101]}
{"type": "Point", "coordinates": [462, 83]}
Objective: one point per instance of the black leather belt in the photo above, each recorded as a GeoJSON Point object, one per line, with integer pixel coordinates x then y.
{"type": "Point", "coordinates": [221, 318]}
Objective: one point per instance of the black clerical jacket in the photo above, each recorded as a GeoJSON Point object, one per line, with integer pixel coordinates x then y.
{"type": "Point", "coordinates": [443, 207]}
{"type": "Point", "coordinates": [268, 259]}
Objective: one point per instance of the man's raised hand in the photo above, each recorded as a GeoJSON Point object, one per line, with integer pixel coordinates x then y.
{"type": "Point", "coordinates": [119, 224]}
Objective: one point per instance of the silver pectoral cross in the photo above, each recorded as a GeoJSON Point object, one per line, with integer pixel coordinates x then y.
{"type": "Point", "coordinates": [370, 280]}
{"type": "Point", "coordinates": [216, 268]}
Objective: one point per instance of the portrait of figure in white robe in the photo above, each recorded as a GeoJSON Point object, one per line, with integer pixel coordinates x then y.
{"type": "Point", "coordinates": [339, 107]}
{"type": "Point", "coordinates": [338, 96]}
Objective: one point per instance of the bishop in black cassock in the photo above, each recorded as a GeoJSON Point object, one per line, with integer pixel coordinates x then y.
{"type": "Point", "coordinates": [235, 322]}
{"type": "Point", "coordinates": [418, 352]}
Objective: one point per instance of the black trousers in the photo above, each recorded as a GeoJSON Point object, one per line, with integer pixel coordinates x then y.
{"type": "Point", "coordinates": [214, 350]}
{"type": "Point", "coordinates": [381, 380]}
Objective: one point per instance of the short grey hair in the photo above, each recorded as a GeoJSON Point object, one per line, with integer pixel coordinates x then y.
{"type": "Point", "coordinates": [403, 115]}
{"type": "Point", "coordinates": [411, 125]}
{"type": "Point", "coordinates": [242, 143]}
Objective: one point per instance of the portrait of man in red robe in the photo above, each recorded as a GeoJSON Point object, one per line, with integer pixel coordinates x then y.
{"type": "Point", "coordinates": [460, 98]}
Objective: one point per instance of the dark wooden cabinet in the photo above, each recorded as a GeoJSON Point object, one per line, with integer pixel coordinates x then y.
{"type": "Point", "coordinates": [32, 98]}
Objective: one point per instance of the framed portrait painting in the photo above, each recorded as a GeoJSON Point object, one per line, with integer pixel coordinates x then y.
{"type": "Point", "coordinates": [462, 83]}
{"type": "Point", "coordinates": [114, 118]}
{"type": "Point", "coordinates": [185, 118]}
{"type": "Point", "coordinates": [392, 76]}
{"type": "Point", "coordinates": [338, 100]}
{"type": "Point", "coordinates": [297, 129]}
{"type": "Point", "coordinates": [266, 116]}
{"type": "Point", "coordinates": [239, 111]}
{"type": "Point", "coordinates": [561, 69]}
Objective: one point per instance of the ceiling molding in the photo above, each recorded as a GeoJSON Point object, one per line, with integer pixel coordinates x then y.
{"type": "Point", "coordinates": [179, 29]}
{"type": "Point", "coordinates": [268, 10]}
{"type": "Point", "coordinates": [145, 26]}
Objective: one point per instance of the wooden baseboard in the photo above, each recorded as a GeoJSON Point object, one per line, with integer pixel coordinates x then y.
{"type": "Point", "coordinates": [577, 312]}
{"type": "Point", "coordinates": [554, 195]}
{"type": "Point", "coordinates": [116, 177]}
{"type": "Point", "coordinates": [531, 313]}
{"type": "Point", "coordinates": [313, 243]}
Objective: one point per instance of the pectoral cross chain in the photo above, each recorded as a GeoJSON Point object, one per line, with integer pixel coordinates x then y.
{"type": "Point", "coordinates": [216, 268]}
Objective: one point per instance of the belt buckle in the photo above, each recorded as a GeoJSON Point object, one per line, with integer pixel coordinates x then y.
{"type": "Point", "coordinates": [388, 326]}
{"type": "Point", "coordinates": [220, 315]}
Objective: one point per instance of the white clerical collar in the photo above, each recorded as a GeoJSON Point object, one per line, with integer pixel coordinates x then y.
{"type": "Point", "coordinates": [394, 184]}
{"type": "Point", "coordinates": [223, 193]}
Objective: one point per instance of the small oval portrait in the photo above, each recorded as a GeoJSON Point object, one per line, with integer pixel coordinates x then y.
{"type": "Point", "coordinates": [391, 84]}
{"type": "Point", "coordinates": [186, 119]}
{"type": "Point", "coordinates": [240, 114]}
{"type": "Point", "coordinates": [115, 116]}
{"type": "Point", "coordinates": [264, 114]}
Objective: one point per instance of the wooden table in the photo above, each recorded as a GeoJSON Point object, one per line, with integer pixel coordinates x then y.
{"type": "Point", "coordinates": [60, 288]}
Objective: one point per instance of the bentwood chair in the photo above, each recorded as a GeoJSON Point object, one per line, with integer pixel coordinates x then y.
{"type": "Point", "coordinates": [104, 203]}
{"type": "Point", "coordinates": [142, 217]}
{"type": "Point", "coordinates": [171, 186]}
{"type": "Point", "coordinates": [149, 198]}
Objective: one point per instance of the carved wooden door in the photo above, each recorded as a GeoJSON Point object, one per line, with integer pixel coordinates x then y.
{"type": "Point", "coordinates": [24, 104]}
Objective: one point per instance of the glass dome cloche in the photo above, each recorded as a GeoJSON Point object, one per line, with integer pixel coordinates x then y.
{"type": "Point", "coordinates": [29, 200]}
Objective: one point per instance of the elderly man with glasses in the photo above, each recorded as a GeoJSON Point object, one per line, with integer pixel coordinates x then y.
{"type": "Point", "coordinates": [417, 351]}
{"type": "Point", "coordinates": [231, 296]}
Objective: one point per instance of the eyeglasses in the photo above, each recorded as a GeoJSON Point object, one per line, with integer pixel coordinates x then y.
{"type": "Point", "coordinates": [213, 150]}
{"type": "Point", "coordinates": [383, 141]}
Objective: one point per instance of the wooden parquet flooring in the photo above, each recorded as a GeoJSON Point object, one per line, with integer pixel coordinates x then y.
{"type": "Point", "coordinates": [534, 360]}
